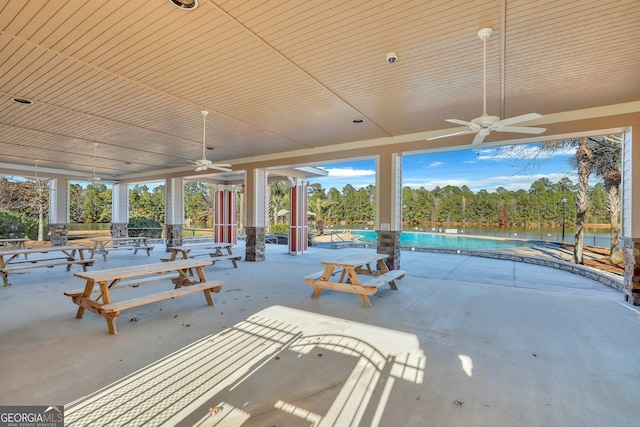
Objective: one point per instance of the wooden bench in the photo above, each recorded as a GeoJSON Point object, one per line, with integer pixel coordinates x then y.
{"type": "Point", "coordinates": [103, 246]}
{"type": "Point", "coordinates": [318, 274]}
{"type": "Point", "coordinates": [232, 258]}
{"type": "Point", "coordinates": [385, 278]}
{"type": "Point", "coordinates": [36, 264]}
{"type": "Point", "coordinates": [216, 251]}
{"type": "Point", "coordinates": [116, 307]}
{"type": "Point", "coordinates": [68, 255]}
{"type": "Point", "coordinates": [132, 283]}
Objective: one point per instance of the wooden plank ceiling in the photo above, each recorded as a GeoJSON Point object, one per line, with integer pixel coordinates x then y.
{"type": "Point", "coordinates": [284, 75]}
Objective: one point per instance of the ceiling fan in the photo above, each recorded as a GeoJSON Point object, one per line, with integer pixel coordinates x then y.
{"type": "Point", "coordinates": [483, 125]}
{"type": "Point", "coordinates": [40, 183]}
{"type": "Point", "coordinates": [93, 178]}
{"type": "Point", "coordinates": [205, 163]}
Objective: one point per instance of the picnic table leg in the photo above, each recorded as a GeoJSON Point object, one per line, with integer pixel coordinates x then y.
{"type": "Point", "coordinates": [111, 322]}
{"type": "Point", "coordinates": [365, 300]}
{"type": "Point", "coordinates": [5, 278]}
{"type": "Point", "coordinates": [328, 271]}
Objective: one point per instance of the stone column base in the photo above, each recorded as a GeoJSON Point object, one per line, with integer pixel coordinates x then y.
{"type": "Point", "coordinates": [389, 244]}
{"type": "Point", "coordinates": [254, 243]}
{"type": "Point", "coordinates": [59, 234]}
{"type": "Point", "coordinates": [119, 229]}
{"type": "Point", "coordinates": [631, 279]}
{"type": "Point", "coordinates": [173, 233]}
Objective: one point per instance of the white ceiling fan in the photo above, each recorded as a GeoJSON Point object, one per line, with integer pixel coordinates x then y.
{"type": "Point", "coordinates": [205, 163]}
{"type": "Point", "coordinates": [93, 178]}
{"type": "Point", "coordinates": [483, 125]}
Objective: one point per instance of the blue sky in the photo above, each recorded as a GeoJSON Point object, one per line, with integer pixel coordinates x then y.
{"type": "Point", "coordinates": [485, 168]}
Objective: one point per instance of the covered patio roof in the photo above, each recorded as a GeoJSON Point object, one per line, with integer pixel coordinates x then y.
{"type": "Point", "coordinates": [285, 81]}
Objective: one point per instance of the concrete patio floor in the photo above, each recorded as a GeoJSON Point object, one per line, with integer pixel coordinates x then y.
{"type": "Point", "coordinates": [464, 341]}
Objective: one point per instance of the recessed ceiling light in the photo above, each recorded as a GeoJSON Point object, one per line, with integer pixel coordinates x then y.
{"type": "Point", "coordinates": [185, 4]}
{"type": "Point", "coordinates": [22, 101]}
{"type": "Point", "coordinates": [357, 121]}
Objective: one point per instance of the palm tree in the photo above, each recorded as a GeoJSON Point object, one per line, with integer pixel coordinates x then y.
{"type": "Point", "coordinates": [319, 206]}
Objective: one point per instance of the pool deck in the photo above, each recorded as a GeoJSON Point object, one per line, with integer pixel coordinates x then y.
{"type": "Point", "coordinates": [464, 341]}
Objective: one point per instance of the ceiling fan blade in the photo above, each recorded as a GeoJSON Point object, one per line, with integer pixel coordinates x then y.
{"type": "Point", "coordinates": [200, 168]}
{"type": "Point", "coordinates": [479, 138]}
{"type": "Point", "coordinates": [461, 122]}
{"type": "Point", "coordinates": [464, 132]}
{"type": "Point", "coordinates": [517, 119]}
{"type": "Point", "coordinates": [520, 129]}
{"type": "Point", "coordinates": [222, 168]}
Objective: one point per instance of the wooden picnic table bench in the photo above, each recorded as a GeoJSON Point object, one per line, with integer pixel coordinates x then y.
{"type": "Point", "coordinates": [350, 267]}
{"type": "Point", "coordinates": [53, 256]}
{"type": "Point", "coordinates": [216, 251]}
{"type": "Point", "coordinates": [100, 302]}
{"type": "Point", "coordinates": [104, 245]}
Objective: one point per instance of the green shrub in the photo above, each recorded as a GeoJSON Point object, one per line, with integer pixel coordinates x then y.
{"type": "Point", "coordinates": [18, 225]}
{"type": "Point", "coordinates": [147, 227]}
{"type": "Point", "coordinates": [280, 228]}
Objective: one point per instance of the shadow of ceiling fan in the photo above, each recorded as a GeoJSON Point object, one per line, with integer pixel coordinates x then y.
{"type": "Point", "coordinates": [204, 163]}
{"type": "Point", "coordinates": [483, 125]}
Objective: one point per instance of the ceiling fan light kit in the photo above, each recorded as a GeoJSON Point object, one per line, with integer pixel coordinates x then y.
{"type": "Point", "coordinates": [483, 125]}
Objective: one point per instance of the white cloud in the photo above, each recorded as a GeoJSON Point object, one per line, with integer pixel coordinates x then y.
{"type": "Point", "coordinates": [435, 164]}
{"type": "Point", "coordinates": [522, 152]}
{"type": "Point", "coordinates": [349, 172]}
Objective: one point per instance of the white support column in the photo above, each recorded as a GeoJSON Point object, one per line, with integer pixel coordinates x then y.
{"type": "Point", "coordinates": [174, 211]}
{"type": "Point", "coordinates": [120, 210]}
{"type": "Point", "coordinates": [630, 239]}
{"type": "Point", "coordinates": [389, 206]}
{"type": "Point", "coordinates": [59, 211]}
{"type": "Point", "coordinates": [256, 213]}
{"type": "Point", "coordinates": [298, 228]}
{"type": "Point", "coordinates": [225, 223]}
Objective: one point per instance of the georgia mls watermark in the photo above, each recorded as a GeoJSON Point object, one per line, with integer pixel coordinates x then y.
{"type": "Point", "coordinates": [31, 416]}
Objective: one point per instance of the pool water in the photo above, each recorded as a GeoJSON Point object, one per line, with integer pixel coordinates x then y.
{"type": "Point", "coordinates": [445, 241]}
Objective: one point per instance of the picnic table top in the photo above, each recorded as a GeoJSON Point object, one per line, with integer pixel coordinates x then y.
{"type": "Point", "coordinates": [42, 249]}
{"type": "Point", "coordinates": [207, 245]}
{"type": "Point", "coordinates": [117, 239]}
{"type": "Point", "coordinates": [355, 260]}
{"type": "Point", "coordinates": [140, 270]}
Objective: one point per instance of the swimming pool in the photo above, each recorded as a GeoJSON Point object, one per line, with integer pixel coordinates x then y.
{"type": "Point", "coordinates": [410, 239]}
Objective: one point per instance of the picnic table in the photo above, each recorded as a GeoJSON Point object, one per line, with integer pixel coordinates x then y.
{"type": "Point", "coordinates": [350, 267]}
{"type": "Point", "coordinates": [13, 243]}
{"type": "Point", "coordinates": [216, 251]}
{"type": "Point", "coordinates": [178, 273]}
{"type": "Point", "coordinates": [49, 256]}
{"type": "Point", "coordinates": [104, 245]}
